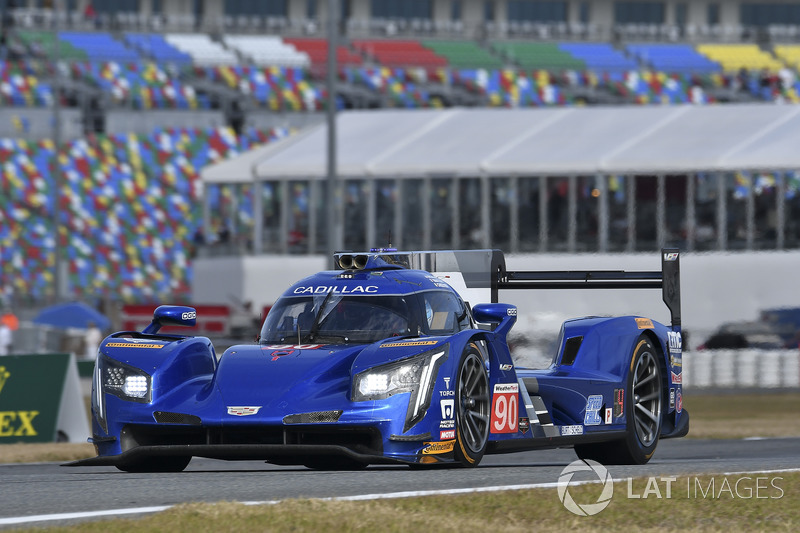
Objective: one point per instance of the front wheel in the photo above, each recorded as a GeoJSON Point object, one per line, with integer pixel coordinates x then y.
{"type": "Point", "coordinates": [472, 408]}
{"type": "Point", "coordinates": [643, 405]}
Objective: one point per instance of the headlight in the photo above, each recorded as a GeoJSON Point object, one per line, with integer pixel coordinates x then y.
{"type": "Point", "coordinates": [125, 381]}
{"type": "Point", "coordinates": [416, 375]}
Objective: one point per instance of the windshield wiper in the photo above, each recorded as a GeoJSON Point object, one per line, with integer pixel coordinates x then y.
{"type": "Point", "coordinates": [317, 319]}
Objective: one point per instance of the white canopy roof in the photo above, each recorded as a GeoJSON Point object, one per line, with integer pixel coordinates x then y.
{"type": "Point", "coordinates": [530, 142]}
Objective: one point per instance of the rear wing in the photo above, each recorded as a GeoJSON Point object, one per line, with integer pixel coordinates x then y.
{"type": "Point", "coordinates": [478, 275]}
{"type": "Point", "coordinates": [667, 279]}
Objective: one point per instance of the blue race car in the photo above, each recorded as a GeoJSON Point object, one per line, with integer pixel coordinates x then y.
{"type": "Point", "coordinates": [383, 361]}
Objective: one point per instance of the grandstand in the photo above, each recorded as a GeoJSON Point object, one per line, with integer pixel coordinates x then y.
{"type": "Point", "coordinates": [147, 99]}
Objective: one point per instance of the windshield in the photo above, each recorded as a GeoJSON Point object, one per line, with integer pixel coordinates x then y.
{"type": "Point", "coordinates": [334, 318]}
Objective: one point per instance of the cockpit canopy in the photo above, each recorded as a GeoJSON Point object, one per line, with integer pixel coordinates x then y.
{"type": "Point", "coordinates": [336, 318]}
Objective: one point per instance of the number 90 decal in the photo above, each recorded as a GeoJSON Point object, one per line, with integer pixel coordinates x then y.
{"type": "Point", "coordinates": [505, 408]}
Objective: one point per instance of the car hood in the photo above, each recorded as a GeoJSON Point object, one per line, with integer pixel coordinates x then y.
{"type": "Point", "coordinates": [285, 378]}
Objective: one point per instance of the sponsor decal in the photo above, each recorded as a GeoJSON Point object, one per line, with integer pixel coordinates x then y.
{"type": "Point", "coordinates": [4, 375]}
{"type": "Point", "coordinates": [619, 402]}
{"type": "Point", "coordinates": [448, 413]}
{"type": "Point", "coordinates": [679, 402]}
{"type": "Point", "coordinates": [568, 431]}
{"type": "Point", "coordinates": [291, 346]}
{"type": "Point", "coordinates": [448, 409]}
{"type": "Point", "coordinates": [677, 379]}
{"type": "Point", "coordinates": [189, 315]}
{"type": "Point", "coordinates": [321, 289]}
{"type": "Point", "coordinates": [447, 434]}
{"type": "Point", "coordinates": [447, 393]}
{"type": "Point", "coordinates": [671, 398]}
{"type": "Point", "coordinates": [432, 448]}
{"type": "Point", "coordinates": [406, 344]}
{"type": "Point", "coordinates": [133, 345]}
{"type": "Point", "coordinates": [676, 361]}
{"type": "Point", "coordinates": [511, 311]}
{"type": "Point", "coordinates": [644, 323]}
{"type": "Point", "coordinates": [243, 410]}
{"type": "Point", "coordinates": [505, 408]}
{"type": "Point", "coordinates": [593, 405]}
{"type": "Point", "coordinates": [15, 423]}
{"type": "Point", "coordinates": [277, 354]}
{"type": "Point", "coordinates": [506, 368]}
{"type": "Point", "coordinates": [671, 256]}
{"type": "Point", "coordinates": [675, 341]}
{"type": "Point", "coordinates": [524, 424]}
{"type": "Point", "coordinates": [447, 382]}
{"type": "Point", "coordinates": [609, 414]}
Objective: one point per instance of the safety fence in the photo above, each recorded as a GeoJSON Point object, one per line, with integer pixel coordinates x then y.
{"type": "Point", "coordinates": [761, 369]}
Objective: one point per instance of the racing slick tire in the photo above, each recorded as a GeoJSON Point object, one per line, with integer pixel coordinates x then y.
{"type": "Point", "coordinates": [156, 464]}
{"type": "Point", "coordinates": [473, 405]}
{"type": "Point", "coordinates": [644, 405]}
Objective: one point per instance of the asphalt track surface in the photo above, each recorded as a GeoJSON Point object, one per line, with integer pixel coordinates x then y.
{"type": "Point", "coordinates": [42, 490]}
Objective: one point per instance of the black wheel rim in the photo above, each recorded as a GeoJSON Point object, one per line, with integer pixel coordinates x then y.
{"type": "Point", "coordinates": [647, 399]}
{"type": "Point", "coordinates": [473, 392]}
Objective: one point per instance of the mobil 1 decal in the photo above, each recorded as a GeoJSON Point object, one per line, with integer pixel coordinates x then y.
{"type": "Point", "coordinates": [505, 408]}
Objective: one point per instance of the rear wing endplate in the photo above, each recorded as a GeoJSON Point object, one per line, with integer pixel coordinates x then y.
{"type": "Point", "coordinates": [667, 279]}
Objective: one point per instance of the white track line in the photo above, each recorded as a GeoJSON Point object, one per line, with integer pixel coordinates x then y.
{"type": "Point", "coordinates": [358, 497]}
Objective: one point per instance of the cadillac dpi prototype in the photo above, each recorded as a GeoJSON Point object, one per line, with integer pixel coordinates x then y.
{"type": "Point", "coordinates": [384, 360]}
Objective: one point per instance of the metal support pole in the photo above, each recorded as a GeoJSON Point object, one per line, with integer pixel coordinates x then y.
{"type": "Point", "coordinates": [514, 214]}
{"type": "Point", "coordinates": [486, 221]}
{"type": "Point", "coordinates": [59, 283]}
{"type": "Point", "coordinates": [603, 214]}
{"type": "Point", "coordinates": [691, 212]}
{"type": "Point", "coordinates": [630, 183]}
{"type": "Point", "coordinates": [661, 211]}
{"type": "Point", "coordinates": [543, 214]}
{"type": "Point", "coordinates": [334, 205]}
{"type": "Point", "coordinates": [455, 214]}
{"type": "Point", "coordinates": [722, 212]}
{"type": "Point", "coordinates": [780, 210]}
{"type": "Point", "coordinates": [572, 212]}
{"type": "Point", "coordinates": [750, 213]}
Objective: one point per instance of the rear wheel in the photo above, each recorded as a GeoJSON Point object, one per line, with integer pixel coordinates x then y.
{"type": "Point", "coordinates": [643, 412]}
{"type": "Point", "coordinates": [156, 464]}
{"type": "Point", "coordinates": [472, 408]}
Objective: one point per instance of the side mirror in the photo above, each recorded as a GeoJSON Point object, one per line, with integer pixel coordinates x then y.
{"type": "Point", "coordinates": [171, 315]}
{"type": "Point", "coordinates": [494, 313]}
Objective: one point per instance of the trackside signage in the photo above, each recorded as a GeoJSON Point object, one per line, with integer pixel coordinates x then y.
{"type": "Point", "coordinates": [40, 399]}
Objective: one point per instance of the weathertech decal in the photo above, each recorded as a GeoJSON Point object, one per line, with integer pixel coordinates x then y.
{"type": "Point", "coordinates": [505, 408]}
{"type": "Point", "coordinates": [644, 323]}
{"type": "Point", "coordinates": [133, 345]}
{"type": "Point", "coordinates": [406, 344]}
{"type": "Point", "coordinates": [243, 410]}
{"type": "Point", "coordinates": [438, 447]}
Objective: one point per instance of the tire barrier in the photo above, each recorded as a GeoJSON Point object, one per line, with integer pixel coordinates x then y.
{"type": "Point", "coordinates": [766, 369]}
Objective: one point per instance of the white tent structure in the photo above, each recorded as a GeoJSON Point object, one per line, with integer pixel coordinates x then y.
{"type": "Point", "coordinates": [539, 142]}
